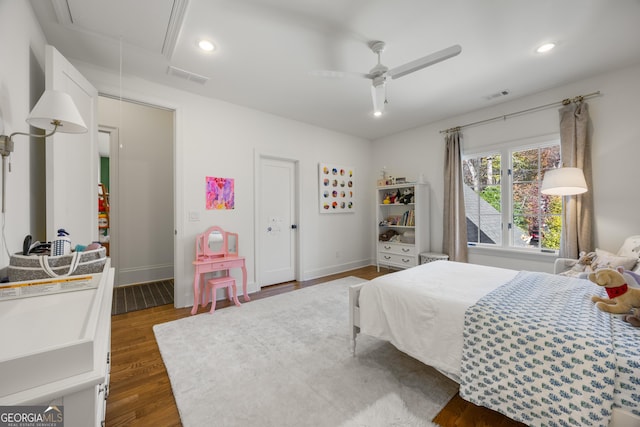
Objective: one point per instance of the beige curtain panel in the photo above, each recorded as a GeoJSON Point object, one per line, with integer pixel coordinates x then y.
{"type": "Point", "coordinates": [575, 145]}
{"type": "Point", "coordinates": [455, 218]}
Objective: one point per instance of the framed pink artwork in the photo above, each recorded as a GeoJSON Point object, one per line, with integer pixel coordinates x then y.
{"type": "Point", "coordinates": [337, 189]}
{"type": "Point", "coordinates": [220, 193]}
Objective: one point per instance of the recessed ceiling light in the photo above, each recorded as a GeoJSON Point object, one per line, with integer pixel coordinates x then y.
{"type": "Point", "coordinates": [206, 45]}
{"type": "Point", "coordinates": [545, 47]}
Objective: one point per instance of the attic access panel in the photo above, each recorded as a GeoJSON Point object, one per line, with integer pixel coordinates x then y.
{"type": "Point", "coordinates": [116, 19]}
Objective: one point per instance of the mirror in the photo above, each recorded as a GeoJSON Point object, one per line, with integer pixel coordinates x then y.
{"type": "Point", "coordinates": [232, 244]}
{"type": "Point", "coordinates": [216, 241]}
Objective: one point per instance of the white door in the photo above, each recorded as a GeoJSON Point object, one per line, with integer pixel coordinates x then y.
{"type": "Point", "coordinates": [277, 222]}
{"type": "Point", "coordinates": [72, 159]}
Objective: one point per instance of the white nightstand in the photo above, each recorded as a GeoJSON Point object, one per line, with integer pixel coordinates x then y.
{"type": "Point", "coordinates": [426, 257]}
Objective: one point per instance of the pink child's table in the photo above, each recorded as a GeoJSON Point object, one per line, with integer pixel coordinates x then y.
{"type": "Point", "coordinates": [216, 250]}
{"type": "Point", "coordinates": [210, 265]}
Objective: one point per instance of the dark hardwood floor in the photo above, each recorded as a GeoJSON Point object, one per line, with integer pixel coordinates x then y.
{"type": "Point", "coordinates": [140, 392]}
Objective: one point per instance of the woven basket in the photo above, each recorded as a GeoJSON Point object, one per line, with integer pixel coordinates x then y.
{"type": "Point", "coordinates": [34, 267]}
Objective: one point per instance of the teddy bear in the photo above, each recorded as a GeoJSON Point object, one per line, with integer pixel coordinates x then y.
{"type": "Point", "coordinates": [622, 298]}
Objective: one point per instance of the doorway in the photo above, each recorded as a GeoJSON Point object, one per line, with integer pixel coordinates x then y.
{"type": "Point", "coordinates": [141, 189]}
{"type": "Point", "coordinates": [107, 136]}
{"type": "Point", "coordinates": [277, 220]}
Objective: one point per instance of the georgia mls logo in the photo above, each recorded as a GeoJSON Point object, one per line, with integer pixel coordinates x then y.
{"type": "Point", "coordinates": [31, 416]}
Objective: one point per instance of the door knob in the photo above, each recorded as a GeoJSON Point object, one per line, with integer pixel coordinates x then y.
{"type": "Point", "coordinates": [294, 226]}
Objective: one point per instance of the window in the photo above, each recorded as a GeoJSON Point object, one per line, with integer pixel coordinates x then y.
{"type": "Point", "coordinates": [502, 197]}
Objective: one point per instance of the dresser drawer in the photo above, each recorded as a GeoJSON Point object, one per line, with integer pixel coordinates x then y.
{"type": "Point", "coordinates": [399, 260]}
{"type": "Point", "coordinates": [229, 264]}
{"type": "Point", "coordinates": [397, 248]}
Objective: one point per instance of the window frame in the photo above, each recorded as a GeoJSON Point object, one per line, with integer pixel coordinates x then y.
{"type": "Point", "coordinates": [506, 151]}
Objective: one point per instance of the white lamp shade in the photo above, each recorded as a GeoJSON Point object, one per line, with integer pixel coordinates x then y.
{"type": "Point", "coordinates": [564, 182]}
{"type": "Point", "coordinates": [54, 107]}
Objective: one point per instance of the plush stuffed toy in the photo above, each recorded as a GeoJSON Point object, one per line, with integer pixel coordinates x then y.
{"type": "Point", "coordinates": [622, 298]}
{"type": "Point", "coordinates": [584, 260]}
{"type": "Point", "coordinates": [393, 197]}
{"type": "Point", "coordinates": [407, 197]}
{"type": "Point", "coordinates": [634, 318]}
{"type": "Point", "coordinates": [387, 235]}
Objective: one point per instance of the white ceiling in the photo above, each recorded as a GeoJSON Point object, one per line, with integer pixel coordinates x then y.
{"type": "Point", "coordinates": [269, 52]}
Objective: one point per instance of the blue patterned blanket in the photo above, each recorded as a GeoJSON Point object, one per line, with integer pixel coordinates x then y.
{"type": "Point", "coordinates": [538, 350]}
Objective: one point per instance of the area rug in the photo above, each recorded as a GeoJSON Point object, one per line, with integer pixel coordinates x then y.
{"type": "Point", "coordinates": [286, 361]}
{"type": "Point", "coordinates": [140, 296]}
{"type": "Point", "coordinates": [387, 411]}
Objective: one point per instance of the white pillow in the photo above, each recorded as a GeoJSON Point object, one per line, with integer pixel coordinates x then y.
{"type": "Point", "coordinates": [630, 247]}
{"type": "Point", "coordinates": [606, 259]}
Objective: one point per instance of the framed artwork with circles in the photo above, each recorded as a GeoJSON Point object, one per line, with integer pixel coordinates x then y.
{"type": "Point", "coordinates": [336, 188]}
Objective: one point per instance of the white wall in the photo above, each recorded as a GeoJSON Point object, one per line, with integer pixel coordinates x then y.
{"type": "Point", "coordinates": [615, 150]}
{"type": "Point", "coordinates": [215, 138]}
{"type": "Point", "coordinates": [21, 84]}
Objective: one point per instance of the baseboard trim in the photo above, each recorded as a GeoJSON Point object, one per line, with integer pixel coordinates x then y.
{"type": "Point", "coordinates": [147, 273]}
{"type": "Point", "coordinates": [335, 269]}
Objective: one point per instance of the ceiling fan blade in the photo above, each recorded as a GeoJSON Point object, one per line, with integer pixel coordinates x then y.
{"type": "Point", "coordinates": [329, 74]}
{"type": "Point", "coordinates": [425, 61]}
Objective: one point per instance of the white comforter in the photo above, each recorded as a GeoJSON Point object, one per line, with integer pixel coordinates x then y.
{"type": "Point", "coordinates": [392, 305]}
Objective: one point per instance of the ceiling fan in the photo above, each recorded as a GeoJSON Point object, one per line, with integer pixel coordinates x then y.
{"type": "Point", "coordinates": [380, 73]}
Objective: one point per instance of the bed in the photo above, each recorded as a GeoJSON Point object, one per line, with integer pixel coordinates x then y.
{"type": "Point", "coordinates": [529, 345]}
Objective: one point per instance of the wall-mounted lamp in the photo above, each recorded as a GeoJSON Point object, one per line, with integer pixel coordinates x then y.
{"type": "Point", "coordinates": [54, 112]}
{"type": "Point", "coordinates": [563, 182]}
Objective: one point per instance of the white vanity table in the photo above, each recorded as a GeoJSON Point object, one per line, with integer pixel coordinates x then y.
{"type": "Point", "coordinates": [55, 349]}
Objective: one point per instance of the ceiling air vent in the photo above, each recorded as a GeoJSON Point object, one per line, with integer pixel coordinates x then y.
{"type": "Point", "coordinates": [502, 93]}
{"type": "Point", "coordinates": [187, 75]}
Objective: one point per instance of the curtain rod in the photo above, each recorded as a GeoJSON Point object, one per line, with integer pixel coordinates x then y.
{"type": "Point", "coordinates": [566, 101]}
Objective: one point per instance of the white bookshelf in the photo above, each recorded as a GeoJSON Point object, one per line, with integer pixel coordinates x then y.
{"type": "Point", "coordinates": [409, 219]}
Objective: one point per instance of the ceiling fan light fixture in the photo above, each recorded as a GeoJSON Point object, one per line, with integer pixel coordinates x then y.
{"type": "Point", "coordinates": [378, 94]}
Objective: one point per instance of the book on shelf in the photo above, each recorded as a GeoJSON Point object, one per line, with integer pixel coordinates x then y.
{"type": "Point", "coordinates": [408, 219]}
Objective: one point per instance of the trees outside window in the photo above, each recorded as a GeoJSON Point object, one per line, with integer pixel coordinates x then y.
{"type": "Point", "coordinates": [503, 202]}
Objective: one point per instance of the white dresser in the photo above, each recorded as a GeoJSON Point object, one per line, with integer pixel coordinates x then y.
{"type": "Point", "coordinates": [56, 350]}
{"type": "Point", "coordinates": [397, 254]}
